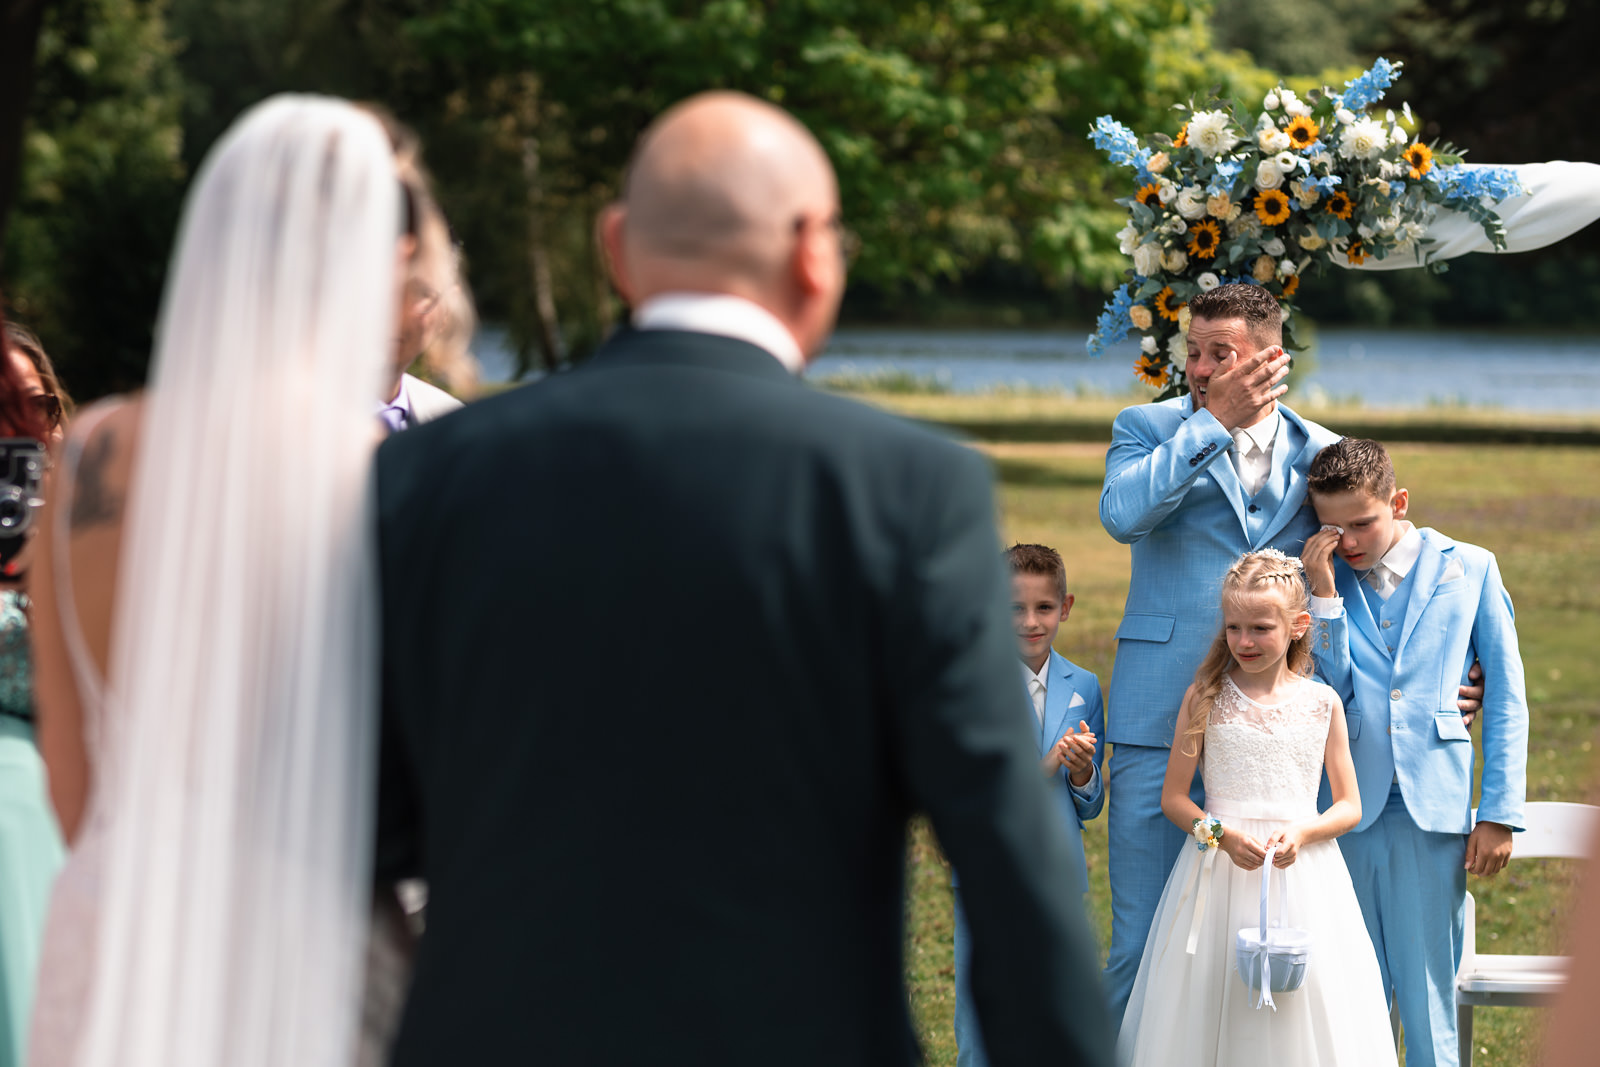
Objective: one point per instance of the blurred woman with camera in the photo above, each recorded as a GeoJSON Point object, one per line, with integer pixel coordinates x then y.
{"type": "Point", "coordinates": [30, 844]}
{"type": "Point", "coordinates": [207, 643]}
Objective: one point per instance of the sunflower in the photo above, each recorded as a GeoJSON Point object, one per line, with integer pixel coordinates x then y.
{"type": "Point", "coordinates": [1182, 138]}
{"type": "Point", "coordinates": [1272, 206]}
{"type": "Point", "coordinates": [1168, 305]}
{"type": "Point", "coordinates": [1149, 196]}
{"type": "Point", "coordinates": [1355, 253]}
{"type": "Point", "coordinates": [1420, 156]}
{"type": "Point", "coordinates": [1290, 284]}
{"type": "Point", "coordinates": [1204, 237]}
{"type": "Point", "coordinates": [1339, 205]}
{"type": "Point", "coordinates": [1152, 370]}
{"type": "Point", "coordinates": [1302, 133]}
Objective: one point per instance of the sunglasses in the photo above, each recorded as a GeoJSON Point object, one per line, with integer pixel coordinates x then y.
{"type": "Point", "coordinates": [48, 405]}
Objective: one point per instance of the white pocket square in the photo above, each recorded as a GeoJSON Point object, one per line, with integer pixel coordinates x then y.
{"type": "Point", "coordinates": [1077, 701]}
{"type": "Point", "coordinates": [1452, 570]}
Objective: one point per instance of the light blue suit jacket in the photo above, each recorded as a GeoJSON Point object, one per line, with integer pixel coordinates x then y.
{"type": "Point", "coordinates": [1071, 695]}
{"type": "Point", "coordinates": [1402, 713]}
{"type": "Point", "coordinates": [1172, 494]}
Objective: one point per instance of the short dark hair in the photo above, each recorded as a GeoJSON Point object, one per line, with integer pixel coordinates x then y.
{"type": "Point", "coordinates": [1258, 308]}
{"type": "Point", "coordinates": [1352, 463]}
{"type": "Point", "coordinates": [1039, 559]}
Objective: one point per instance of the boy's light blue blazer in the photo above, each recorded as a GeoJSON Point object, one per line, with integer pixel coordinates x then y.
{"type": "Point", "coordinates": [1071, 695]}
{"type": "Point", "coordinates": [1403, 718]}
{"type": "Point", "coordinates": [1173, 495]}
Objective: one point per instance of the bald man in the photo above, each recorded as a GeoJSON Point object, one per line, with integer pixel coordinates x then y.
{"type": "Point", "coordinates": [692, 644]}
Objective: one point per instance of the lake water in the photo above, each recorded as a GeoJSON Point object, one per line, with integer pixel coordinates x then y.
{"type": "Point", "coordinates": [1378, 368]}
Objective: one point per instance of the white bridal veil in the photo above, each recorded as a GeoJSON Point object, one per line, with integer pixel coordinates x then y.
{"type": "Point", "coordinates": [238, 767]}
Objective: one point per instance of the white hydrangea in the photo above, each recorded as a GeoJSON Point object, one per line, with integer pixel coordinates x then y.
{"type": "Point", "coordinates": [1147, 259]}
{"type": "Point", "coordinates": [1364, 139]}
{"type": "Point", "coordinates": [1271, 139]}
{"type": "Point", "coordinates": [1208, 281]}
{"type": "Point", "coordinates": [1268, 175]}
{"type": "Point", "coordinates": [1192, 202]}
{"type": "Point", "coordinates": [1147, 344]}
{"type": "Point", "coordinates": [1127, 239]}
{"type": "Point", "coordinates": [1211, 134]}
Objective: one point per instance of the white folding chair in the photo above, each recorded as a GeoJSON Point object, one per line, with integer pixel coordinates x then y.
{"type": "Point", "coordinates": [1554, 831]}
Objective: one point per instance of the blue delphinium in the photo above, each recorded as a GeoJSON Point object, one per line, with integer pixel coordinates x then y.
{"type": "Point", "coordinates": [1466, 182]}
{"type": "Point", "coordinates": [1222, 180]}
{"type": "Point", "coordinates": [1114, 324]}
{"type": "Point", "coordinates": [1121, 145]}
{"type": "Point", "coordinates": [1368, 89]}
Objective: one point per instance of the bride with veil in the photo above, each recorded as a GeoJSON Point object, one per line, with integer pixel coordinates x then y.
{"type": "Point", "coordinates": [206, 616]}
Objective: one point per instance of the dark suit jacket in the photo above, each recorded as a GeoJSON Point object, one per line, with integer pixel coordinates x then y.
{"type": "Point", "coordinates": [674, 645]}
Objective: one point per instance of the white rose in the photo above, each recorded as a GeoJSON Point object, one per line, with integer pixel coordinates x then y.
{"type": "Point", "coordinates": [1147, 344]}
{"type": "Point", "coordinates": [1285, 268]}
{"type": "Point", "coordinates": [1147, 259]}
{"type": "Point", "coordinates": [1400, 137]}
{"type": "Point", "coordinates": [1271, 139]}
{"type": "Point", "coordinates": [1272, 246]}
{"type": "Point", "coordinates": [1127, 239]}
{"type": "Point", "coordinates": [1140, 316]}
{"type": "Point", "coordinates": [1211, 134]}
{"type": "Point", "coordinates": [1295, 106]}
{"type": "Point", "coordinates": [1158, 163]}
{"type": "Point", "coordinates": [1174, 260]}
{"type": "Point", "coordinates": [1287, 161]}
{"type": "Point", "coordinates": [1178, 346]}
{"type": "Point", "coordinates": [1268, 175]}
{"type": "Point", "coordinates": [1345, 115]}
{"type": "Point", "coordinates": [1208, 281]}
{"type": "Point", "coordinates": [1192, 202]}
{"type": "Point", "coordinates": [1167, 190]}
{"type": "Point", "coordinates": [1175, 227]}
{"type": "Point", "coordinates": [1270, 102]}
{"type": "Point", "coordinates": [1365, 139]}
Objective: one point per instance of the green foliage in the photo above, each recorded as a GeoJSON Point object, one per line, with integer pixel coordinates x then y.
{"type": "Point", "coordinates": [957, 130]}
{"type": "Point", "coordinates": [87, 248]}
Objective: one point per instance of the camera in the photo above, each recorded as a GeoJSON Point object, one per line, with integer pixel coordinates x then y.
{"type": "Point", "coordinates": [21, 472]}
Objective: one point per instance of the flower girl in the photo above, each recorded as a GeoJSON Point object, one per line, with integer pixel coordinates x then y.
{"type": "Point", "coordinates": [1262, 731]}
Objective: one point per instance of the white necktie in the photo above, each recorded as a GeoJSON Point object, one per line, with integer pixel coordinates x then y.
{"type": "Point", "coordinates": [1381, 580]}
{"type": "Point", "coordinates": [1036, 690]}
{"type": "Point", "coordinates": [1247, 461]}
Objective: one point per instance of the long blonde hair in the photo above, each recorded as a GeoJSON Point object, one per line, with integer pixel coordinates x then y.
{"type": "Point", "coordinates": [1254, 573]}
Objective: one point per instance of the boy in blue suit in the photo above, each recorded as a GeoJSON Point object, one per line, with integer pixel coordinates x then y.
{"type": "Point", "coordinates": [1062, 693]}
{"type": "Point", "coordinates": [1399, 620]}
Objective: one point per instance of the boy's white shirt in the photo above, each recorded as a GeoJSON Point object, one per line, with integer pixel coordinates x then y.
{"type": "Point", "coordinates": [1042, 676]}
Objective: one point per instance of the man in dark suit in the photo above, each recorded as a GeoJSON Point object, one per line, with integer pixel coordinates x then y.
{"type": "Point", "coordinates": [674, 647]}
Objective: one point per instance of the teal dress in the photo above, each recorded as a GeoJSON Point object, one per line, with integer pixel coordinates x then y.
{"type": "Point", "coordinates": [30, 843]}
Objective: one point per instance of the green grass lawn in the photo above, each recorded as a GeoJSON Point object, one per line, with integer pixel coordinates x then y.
{"type": "Point", "coordinates": [1535, 506]}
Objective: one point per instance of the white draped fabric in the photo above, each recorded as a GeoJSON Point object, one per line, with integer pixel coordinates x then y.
{"type": "Point", "coordinates": [240, 724]}
{"type": "Point", "coordinates": [1560, 198]}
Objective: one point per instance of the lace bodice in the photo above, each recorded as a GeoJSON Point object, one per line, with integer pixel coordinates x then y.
{"type": "Point", "coordinates": [1265, 760]}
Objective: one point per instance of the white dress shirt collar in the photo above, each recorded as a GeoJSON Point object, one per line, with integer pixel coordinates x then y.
{"type": "Point", "coordinates": [1403, 556]}
{"type": "Point", "coordinates": [1263, 433]}
{"type": "Point", "coordinates": [725, 316]}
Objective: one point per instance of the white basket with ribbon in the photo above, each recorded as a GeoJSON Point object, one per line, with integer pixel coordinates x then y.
{"type": "Point", "coordinates": [1272, 959]}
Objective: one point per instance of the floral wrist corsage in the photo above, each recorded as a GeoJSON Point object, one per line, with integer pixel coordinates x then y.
{"type": "Point", "coordinates": [1207, 833]}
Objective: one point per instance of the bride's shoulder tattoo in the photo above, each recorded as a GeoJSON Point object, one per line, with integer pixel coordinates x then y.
{"type": "Point", "coordinates": [93, 501]}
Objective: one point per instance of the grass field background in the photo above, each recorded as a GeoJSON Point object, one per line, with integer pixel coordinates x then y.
{"type": "Point", "coordinates": [1536, 506]}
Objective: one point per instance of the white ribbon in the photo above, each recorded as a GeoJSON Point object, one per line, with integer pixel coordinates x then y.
{"type": "Point", "coordinates": [1263, 958]}
{"type": "Point", "coordinates": [1202, 875]}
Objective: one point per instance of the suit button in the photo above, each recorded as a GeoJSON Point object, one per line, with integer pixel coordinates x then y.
{"type": "Point", "coordinates": [1387, 623]}
{"type": "Point", "coordinates": [1394, 694]}
{"type": "Point", "coordinates": [1254, 509]}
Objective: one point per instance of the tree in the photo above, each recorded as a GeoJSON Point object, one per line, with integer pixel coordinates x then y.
{"type": "Point", "coordinates": [20, 22]}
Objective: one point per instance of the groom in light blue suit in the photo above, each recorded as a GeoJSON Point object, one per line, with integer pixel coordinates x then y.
{"type": "Point", "coordinates": [1066, 704]}
{"type": "Point", "coordinates": [1191, 484]}
{"type": "Point", "coordinates": [1399, 621]}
